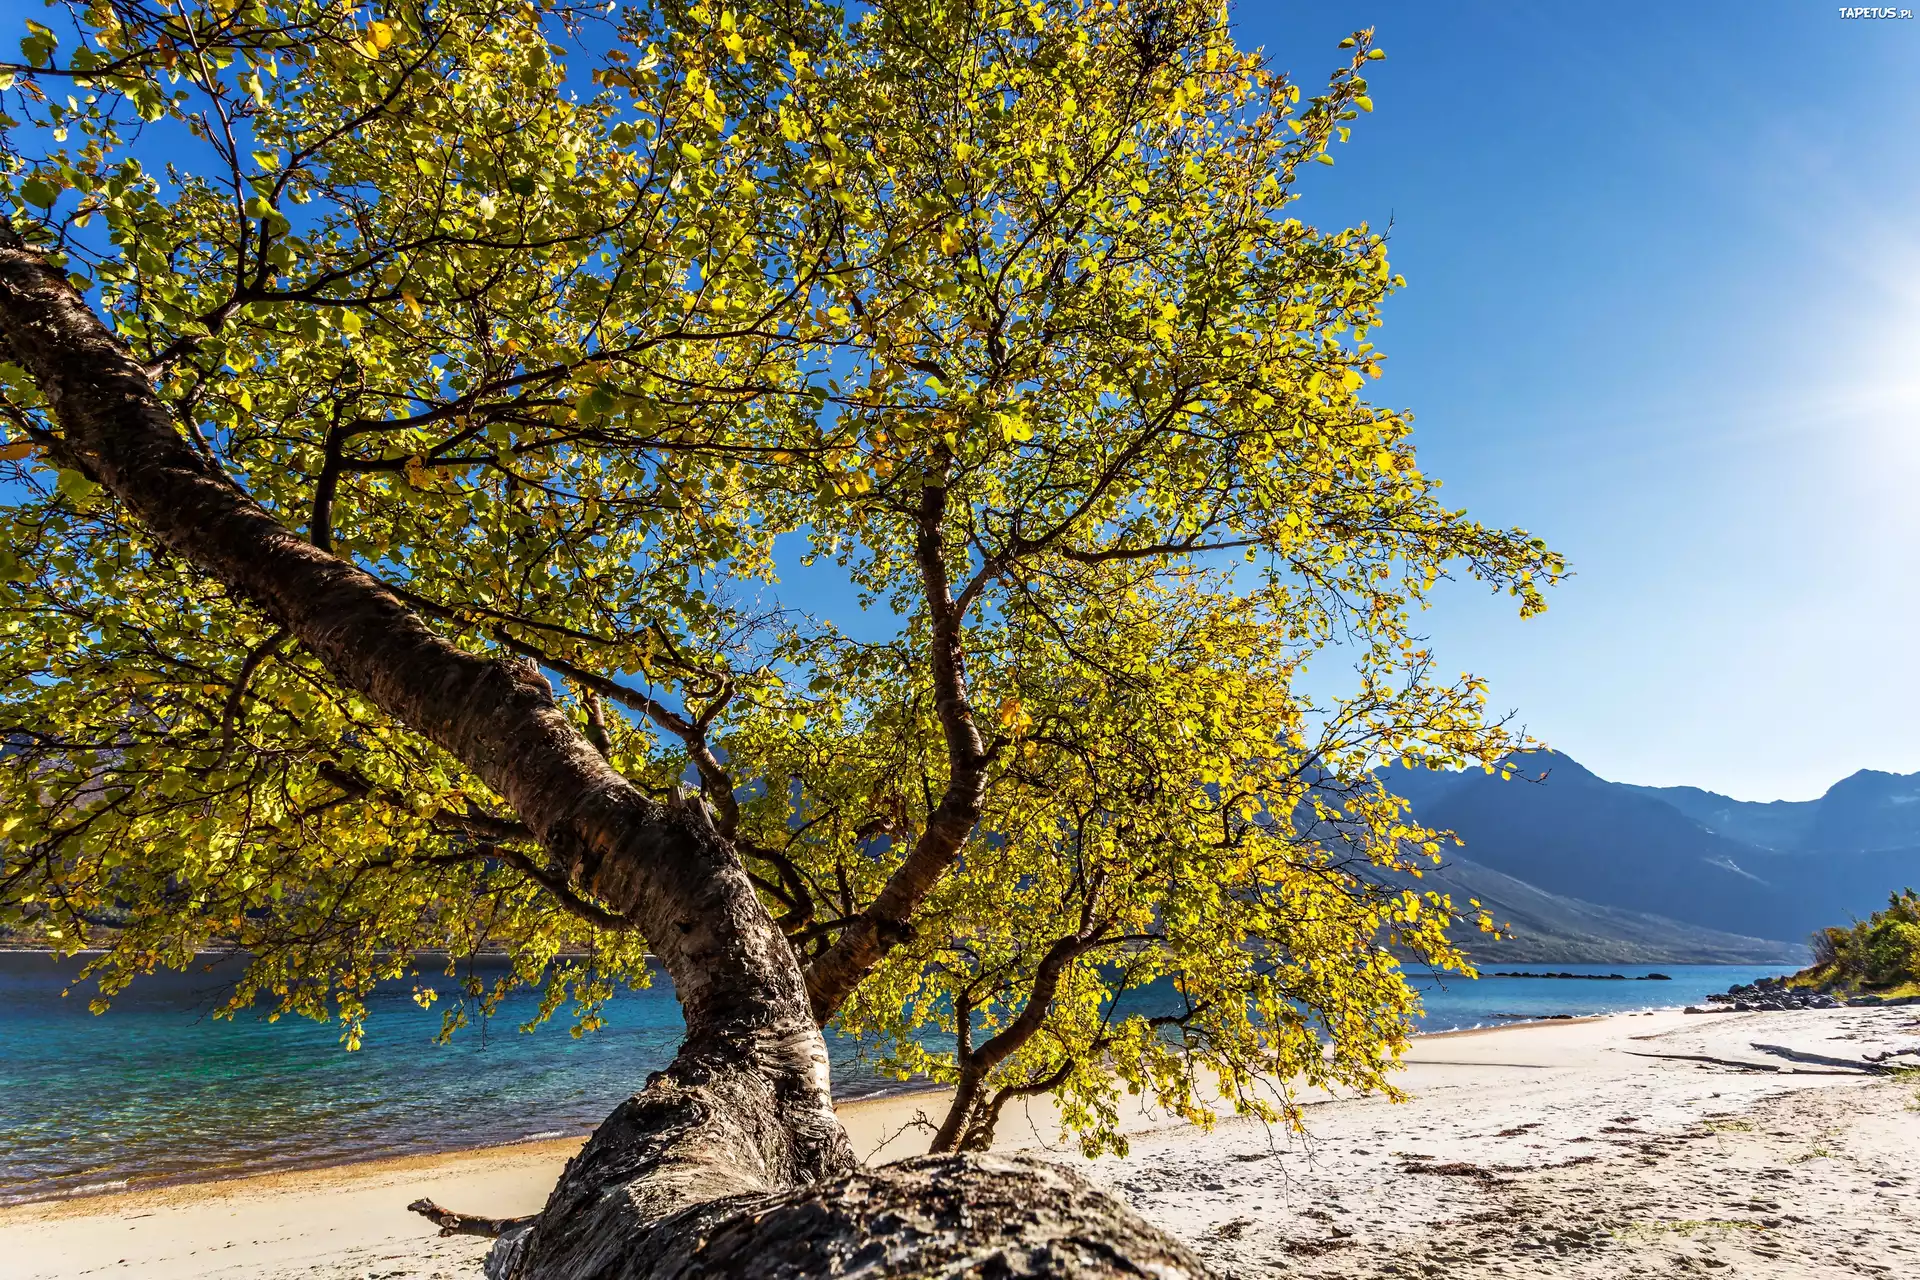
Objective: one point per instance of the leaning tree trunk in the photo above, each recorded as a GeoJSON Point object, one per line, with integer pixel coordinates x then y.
{"type": "Point", "coordinates": [729, 1162]}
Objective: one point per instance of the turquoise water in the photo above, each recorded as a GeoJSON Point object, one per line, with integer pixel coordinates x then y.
{"type": "Point", "coordinates": [157, 1090]}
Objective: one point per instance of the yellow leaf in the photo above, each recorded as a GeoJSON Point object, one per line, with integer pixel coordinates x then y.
{"type": "Point", "coordinates": [379, 34]}
{"type": "Point", "coordinates": [16, 451]}
{"type": "Point", "coordinates": [1013, 715]}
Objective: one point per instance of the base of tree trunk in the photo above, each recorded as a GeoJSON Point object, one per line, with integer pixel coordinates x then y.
{"type": "Point", "coordinates": [951, 1216]}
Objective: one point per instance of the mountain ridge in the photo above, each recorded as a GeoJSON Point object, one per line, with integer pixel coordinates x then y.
{"type": "Point", "coordinates": [1595, 869]}
{"type": "Point", "coordinates": [1869, 810]}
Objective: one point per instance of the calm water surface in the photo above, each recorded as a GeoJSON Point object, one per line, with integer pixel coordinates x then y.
{"type": "Point", "coordinates": [158, 1090]}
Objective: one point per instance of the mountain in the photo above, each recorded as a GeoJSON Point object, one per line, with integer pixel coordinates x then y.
{"type": "Point", "coordinates": [1772, 824]}
{"type": "Point", "coordinates": [1561, 828]}
{"type": "Point", "coordinates": [1584, 860]}
{"type": "Point", "coordinates": [1867, 812]}
{"type": "Point", "coordinates": [1548, 928]}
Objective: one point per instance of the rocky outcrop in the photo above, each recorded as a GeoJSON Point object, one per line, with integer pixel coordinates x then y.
{"type": "Point", "coordinates": [1773, 993]}
{"type": "Point", "coordinates": [1589, 977]}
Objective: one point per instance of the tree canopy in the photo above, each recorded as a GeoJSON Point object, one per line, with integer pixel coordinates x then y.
{"type": "Point", "coordinates": [578, 331]}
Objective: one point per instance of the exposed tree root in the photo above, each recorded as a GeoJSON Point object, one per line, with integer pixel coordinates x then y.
{"type": "Point", "coordinates": [954, 1216]}
{"type": "Point", "coordinates": [464, 1224]}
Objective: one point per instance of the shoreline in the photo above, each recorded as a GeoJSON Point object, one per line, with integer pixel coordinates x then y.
{"type": "Point", "coordinates": [281, 1171]}
{"type": "Point", "coordinates": [295, 1102]}
{"type": "Point", "coordinates": [571, 1140]}
{"type": "Point", "coordinates": [1653, 1133]}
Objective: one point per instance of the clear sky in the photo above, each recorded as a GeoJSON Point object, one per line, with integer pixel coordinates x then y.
{"type": "Point", "coordinates": [1663, 310]}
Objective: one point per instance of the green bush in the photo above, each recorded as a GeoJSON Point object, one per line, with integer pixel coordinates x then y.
{"type": "Point", "coordinates": [1880, 951]}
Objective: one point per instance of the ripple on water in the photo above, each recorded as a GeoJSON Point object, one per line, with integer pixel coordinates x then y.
{"type": "Point", "coordinates": [159, 1091]}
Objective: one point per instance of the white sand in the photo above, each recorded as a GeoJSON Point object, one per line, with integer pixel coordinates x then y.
{"type": "Point", "coordinates": [1571, 1154]}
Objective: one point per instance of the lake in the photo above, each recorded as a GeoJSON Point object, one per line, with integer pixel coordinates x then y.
{"type": "Point", "coordinates": [157, 1090]}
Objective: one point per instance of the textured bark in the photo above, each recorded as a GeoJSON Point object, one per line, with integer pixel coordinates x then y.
{"type": "Point", "coordinates": [994, 1217]}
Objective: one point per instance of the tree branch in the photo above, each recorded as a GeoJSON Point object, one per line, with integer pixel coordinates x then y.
{"type": "Point", "coordinates": [999, 1047]}
{"type": "Point", "coordinates": [230, 711]}
{"type": "Point", "coordinates": [713, 775]}
{"type": "Point", "coordinates": [887, 921]}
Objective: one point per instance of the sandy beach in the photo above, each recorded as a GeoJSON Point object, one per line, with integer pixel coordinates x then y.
{"type": "Point", "coordinates": [1628, 1145]}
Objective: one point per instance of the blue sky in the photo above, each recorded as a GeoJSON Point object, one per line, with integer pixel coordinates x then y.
{"type": "Point", "coordinates": [1663, 310]}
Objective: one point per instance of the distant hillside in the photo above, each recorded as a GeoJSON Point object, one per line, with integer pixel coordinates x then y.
{"type": "Point", "coordinates": [1775, 824]}
{"type": "Point", "coordinates": [1548, 928]}
{"type": "Point", "coordinates": [1585, 864]}
{"type": "Point", "coordinates": [1868, 812]}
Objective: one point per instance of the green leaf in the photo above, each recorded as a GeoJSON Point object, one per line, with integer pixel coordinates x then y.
{"type": "Point", "coordinates": [149, 102]}
{"type": "Point", "coordinates": [39, 44]}
{"type": "Point", "coordinates": [37, 190]}
{"type": "Point", "coordinates": [77, 488]}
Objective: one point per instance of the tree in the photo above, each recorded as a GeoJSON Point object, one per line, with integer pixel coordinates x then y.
{"type": "Point", "coordinates": [428, 376]}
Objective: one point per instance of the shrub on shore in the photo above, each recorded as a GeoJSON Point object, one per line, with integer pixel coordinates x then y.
{"type": "Point", "coordinates": [1880, 953]}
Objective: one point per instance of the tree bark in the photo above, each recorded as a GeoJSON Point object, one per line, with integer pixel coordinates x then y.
{"type": "Point", "coordinates": [995, 1217]}
{"type": "Point", "coordinates": [718, 1167]}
